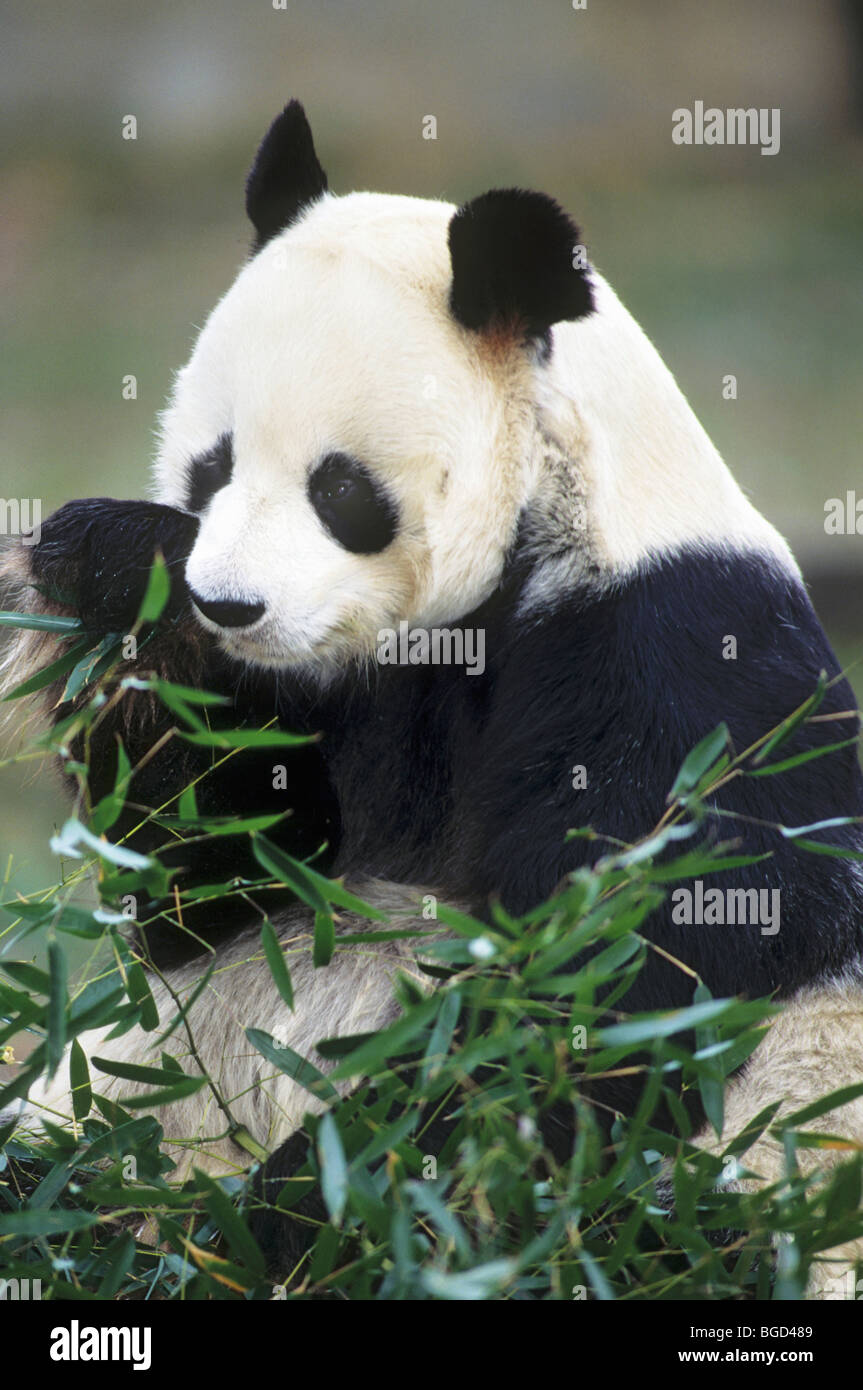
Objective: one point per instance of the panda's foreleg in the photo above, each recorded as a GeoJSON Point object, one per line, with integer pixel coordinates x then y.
{"type": "Point", "coordinates": [813, 1047]}
{"type": "Point", "coordinates": [92, 562]}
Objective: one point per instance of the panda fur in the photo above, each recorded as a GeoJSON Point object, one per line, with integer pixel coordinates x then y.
{"type": "Point", "coordinates": [519, 460]}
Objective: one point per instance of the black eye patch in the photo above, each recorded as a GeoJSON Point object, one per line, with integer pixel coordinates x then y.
{"type": "Point", "coordinates": [356, 511]}
{"type": "Point", "coordinates": [209, 472]}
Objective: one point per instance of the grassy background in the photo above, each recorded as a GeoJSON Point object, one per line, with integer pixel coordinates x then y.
{"type": "Point", "coordinates": [114, 251]}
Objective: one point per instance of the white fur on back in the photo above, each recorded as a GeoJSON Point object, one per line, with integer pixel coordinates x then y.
{"type": "Point", "coordinates": [648, 478]}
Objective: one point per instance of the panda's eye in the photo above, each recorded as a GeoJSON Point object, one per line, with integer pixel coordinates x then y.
{"type": "Point", "coordinates": [332, 492]}
{"type": "Point", "coordinates": [209, 472]}
{"type": "Point", "coordinates": [351, 504]}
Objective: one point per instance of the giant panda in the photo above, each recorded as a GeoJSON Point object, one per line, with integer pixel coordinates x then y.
{"type": "Point", "coordinates": [406, 412]}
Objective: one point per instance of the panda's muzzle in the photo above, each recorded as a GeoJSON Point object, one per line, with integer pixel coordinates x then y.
{"type": "Point", "coordinates": [228, 612]}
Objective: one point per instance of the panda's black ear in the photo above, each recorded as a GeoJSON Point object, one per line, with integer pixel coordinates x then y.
{"type": "Point", "coordinates": [285, 176]}
{"type": "Point", "coordinates": [517, 264]}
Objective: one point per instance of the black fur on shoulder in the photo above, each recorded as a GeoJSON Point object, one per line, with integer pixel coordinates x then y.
{"type": "Point", "coordinates": [285, 177]}
{"type": "Point", "coordinates": [625, 683]}
{"type": "Point", "coordinates": [516, 264]}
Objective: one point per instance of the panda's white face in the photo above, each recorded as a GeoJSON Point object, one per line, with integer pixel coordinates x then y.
{"type": "Point", "coordinates": [356, 456]}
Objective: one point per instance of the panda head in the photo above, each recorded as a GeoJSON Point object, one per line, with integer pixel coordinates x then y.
{"type": "Point", "coordinates": [355, 428]}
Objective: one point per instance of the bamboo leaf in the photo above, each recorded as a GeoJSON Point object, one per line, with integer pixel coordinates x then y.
{"type": "Point", "coordinates": [248, 738]}
{"type": "Point", "coordinates": [787, 727]}
{"type": "Point", "coordinates": [276, 961]}
{"type": "Point", "coordinates": [157, 592]}
{"type": "Point", "coordinates": [41, 622]}
{"type": "Point", "coordinates": [799, 758]}
{"type": "Point", "coordinates": [290, 872]}
{"type": "Point", "coordinates": [141, 995]}
{"type": "Point", "coordinates": [697, 763]}
{"type": "Point", "coordinates": [237, 1234]}
{"type": "Point", "coordinates": [324, 942]}
{"type": "Point", "coordinates": [48, 674]}
{"type": "Point", "coordinates": [29, 1222]}
{"type": "Point", "coordinates": [167, 1094]}
{"type": "Point", "coordinates": [129, 1071]}
{"type": "Point", "coordinates": [55, 1040]}
{"type": "Point", "coordinates": [108, 810]}
{"type": "Point", "coordinates": [832, 851]}
{"type": "Point", "coordinates": [79, 1080]}
{"type": "Point", "coordinates": [292, 1064]}
{"type": "Point", "coordinates": [334, 1169]}
{"type": "Point", "coordinates": [834, 1101]}
{"type": "Point", "coordinates": [74, 834]}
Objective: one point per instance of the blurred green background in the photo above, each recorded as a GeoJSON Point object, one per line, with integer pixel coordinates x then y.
{"type": "Point", "coordinates": [113, 251]}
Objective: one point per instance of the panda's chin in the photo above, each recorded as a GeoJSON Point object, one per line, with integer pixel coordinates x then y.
{"type": "Point", "coordinates": [254, 650]}
{"type": "Point", "coordinates": [321, 662]}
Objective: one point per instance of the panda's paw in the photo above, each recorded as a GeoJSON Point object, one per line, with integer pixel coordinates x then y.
{"type": "Point", "coordinates": [93, 558]}
{"type": "Point", "coordinates": [285, 1235]}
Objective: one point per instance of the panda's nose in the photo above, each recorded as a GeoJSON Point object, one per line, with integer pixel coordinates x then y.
{"type": "Point", "coordinates": [228, 612]}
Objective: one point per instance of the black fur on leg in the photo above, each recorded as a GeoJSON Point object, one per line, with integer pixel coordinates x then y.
{"type": "Point", "coordinates": [95, 555]}
{"type": "Point", "coordinates": [286, 1234]}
